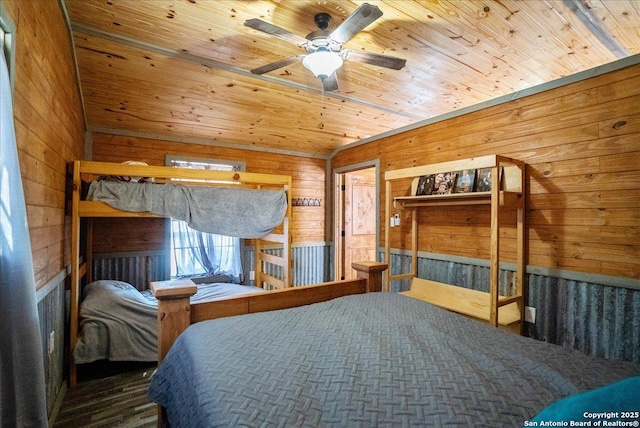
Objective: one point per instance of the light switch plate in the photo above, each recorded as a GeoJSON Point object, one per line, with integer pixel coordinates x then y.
{"type": "Point", "coordinates": [530, 314]}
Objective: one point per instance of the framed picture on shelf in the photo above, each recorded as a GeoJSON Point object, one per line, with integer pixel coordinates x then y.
{"type": "Point", "coordinates": [483, 180]}
{"type": "Point", "coordinates": [425, 185]}
{"type": "Point", "coordinates": [444, 182]}
{"type": "Point", "coordinates": [465, 181]}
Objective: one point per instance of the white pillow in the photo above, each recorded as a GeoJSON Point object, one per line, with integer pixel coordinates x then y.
{"type": "Point", "coordinates": [135, 179]}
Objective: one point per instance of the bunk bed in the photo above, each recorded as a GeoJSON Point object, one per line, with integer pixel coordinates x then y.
{"type": "Point", "coordinates": [245, 205]}
{"type": "Point", "coordinates": [338, 354]}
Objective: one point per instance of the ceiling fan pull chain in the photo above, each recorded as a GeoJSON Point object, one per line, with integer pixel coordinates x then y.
{"type": "Point", "coordinates": [322, 107]}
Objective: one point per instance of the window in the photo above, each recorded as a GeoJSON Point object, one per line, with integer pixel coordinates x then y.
{"type": "Point", "coordinates": [194, 252]}
{"type": "Point", "coordinates": [7, 40]}
{"type": "Point", "coordinates": [210, 164]}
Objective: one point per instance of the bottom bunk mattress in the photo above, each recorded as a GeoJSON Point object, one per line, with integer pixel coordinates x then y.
{"type": "Point", "coordinates": [378, 359]}
{"type": "Point", "coordinates": [119, 323]}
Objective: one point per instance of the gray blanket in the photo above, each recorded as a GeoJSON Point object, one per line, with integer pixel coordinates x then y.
{"type": "Point", "coordinates": [379, 359]}
{"type": "Point", "coordinates": [242, 213]}
{"type": "Point", "coordinates": [119, 323]}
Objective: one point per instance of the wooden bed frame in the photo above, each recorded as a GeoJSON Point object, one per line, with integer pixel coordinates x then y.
{"type": "Point", "coordinates": [86, 171]}
{"type": "Point", "coordinates": [175, 313]}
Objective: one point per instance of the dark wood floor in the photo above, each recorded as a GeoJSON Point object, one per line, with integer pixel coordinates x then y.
{"type": "Point", "coordinates": [109, 395]}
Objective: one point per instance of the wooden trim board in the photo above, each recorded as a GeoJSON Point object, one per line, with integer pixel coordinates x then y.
{"type": "Point", "coordinates": [472, 303]}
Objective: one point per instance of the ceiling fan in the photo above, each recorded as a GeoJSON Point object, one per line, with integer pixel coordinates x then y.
{"type": "Point", "coordinates": [324, 47]}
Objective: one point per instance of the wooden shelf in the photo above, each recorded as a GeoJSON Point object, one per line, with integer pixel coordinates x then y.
{"type": "Point", "coordinates": [509, 199]}
{"type": "Point", "coordinates": [472, 303]}
{"type": "Point", "coordinates": [508, 184]}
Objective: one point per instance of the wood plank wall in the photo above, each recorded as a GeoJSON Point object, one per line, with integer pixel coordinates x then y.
{"type": "Point", "coordinates": [582, 146]}
{"type": "Point", "coordinates": [308, 182]}
{"type": "Point", "coordinates": [49, 127]}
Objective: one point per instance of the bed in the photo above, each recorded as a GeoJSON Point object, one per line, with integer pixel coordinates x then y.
{"type": "Point", "coordinates": [118, 322]}
{"type": "Point", "coordinates": [374, 359]}
{"type": "Point", "coordinates": [259, 204]}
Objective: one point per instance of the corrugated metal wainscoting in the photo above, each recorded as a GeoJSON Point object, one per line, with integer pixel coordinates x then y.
{"type": "Point", "coordinates": [138, 269]}
{"type": "Point", "coordinates": [601, 320]}
{"type": "Point", "coordinates": [465, 275]}
{"type": "Point", "coordinates": [310, 263]}
{"type": "Point", "coordinates": [51, 313]}
{"type": "Point", "coordinates": [598, 319]}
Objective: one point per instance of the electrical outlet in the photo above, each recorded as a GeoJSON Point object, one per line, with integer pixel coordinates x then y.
{"type": "Point", "coordinates": [52, 341]}
{"type": "Point", "coordinates": [392, 221]}
{"type": "Point", "coordinates": [252, 275]}
{"type": "Point", "coordinates": [396, 219]}
{"type": "Point", "coordinates": [530, 314]}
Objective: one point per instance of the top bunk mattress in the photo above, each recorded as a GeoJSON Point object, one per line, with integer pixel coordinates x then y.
{"type": "Point", "coordinates": [237, 212]}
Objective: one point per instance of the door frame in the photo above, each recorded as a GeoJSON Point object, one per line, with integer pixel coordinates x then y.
{"type": "Point", "coordinates": [337, 177]}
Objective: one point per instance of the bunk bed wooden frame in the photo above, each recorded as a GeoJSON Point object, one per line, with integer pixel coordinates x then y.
{"type": "Point", "coordinates": [84, 171]}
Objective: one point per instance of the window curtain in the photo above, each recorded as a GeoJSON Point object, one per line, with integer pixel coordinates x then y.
{"type": "Point", "coordinates": [196, 252]}
{"type": "Point", "coordinates": [22, 384]}
{"type": "Point", "coordinates": [199, 252]}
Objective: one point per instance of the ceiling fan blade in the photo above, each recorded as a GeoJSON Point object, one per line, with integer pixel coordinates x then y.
{"type": "Point", "coordinates": [356, 22]}
{"type": "Point", "coordinates": [375, 59]}
{"type": "Point", "coordinates": [265, 27]}
{"type": "Point", "coordinates": [330, 84]}
{"type": "Point", "coordinates": [276, 65]}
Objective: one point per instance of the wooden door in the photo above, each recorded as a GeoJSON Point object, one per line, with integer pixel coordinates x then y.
{"type": "Point", "coordinates": [359, 218]}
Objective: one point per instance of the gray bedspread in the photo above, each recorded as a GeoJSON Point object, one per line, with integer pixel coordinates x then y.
{"type": "Point", "coordinates": [119, 323]}
{"type": "Point", "coordinates": [379, 359]}
{"type": "Point", "coordinates": [242, 213]}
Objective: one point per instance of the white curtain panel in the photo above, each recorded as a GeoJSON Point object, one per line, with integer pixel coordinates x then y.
{"type": "Point", "coordinates": [197, 252]}
{"type": "Point", "coordinates": [22, 385]}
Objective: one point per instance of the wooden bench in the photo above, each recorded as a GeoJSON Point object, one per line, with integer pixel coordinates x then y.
{"type": "Point", "coordinates": [471, 303]}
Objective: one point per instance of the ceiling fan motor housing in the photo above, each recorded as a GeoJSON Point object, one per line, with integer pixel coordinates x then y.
{"type": "Point", "coordinates": [322, 20]}
{"type": "Point", "coordinates": [320, 40]}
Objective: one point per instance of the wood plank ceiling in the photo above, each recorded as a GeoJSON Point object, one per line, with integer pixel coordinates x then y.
{"type": "Point", "coordinates": [180, 69]}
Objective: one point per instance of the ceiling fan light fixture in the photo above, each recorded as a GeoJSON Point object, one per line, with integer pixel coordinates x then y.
{"type": "Point", "coordinates": [322, 62]}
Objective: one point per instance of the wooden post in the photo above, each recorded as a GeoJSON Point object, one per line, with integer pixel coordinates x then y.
{"type": "Point", "coordinates": [387, 234]}
{"type": "Point", "coordinates": [174, 311]}
{"type": "Point", "coordinates": [75, 272]}
{"type": "Point", "coordinates": [521, 254]}
{"type": "Point", "coordinates": [494, 262]}
{"type": "Point", "coordinates": [372, 272]}
{"type": "Point", "coordinates": [89, 251]}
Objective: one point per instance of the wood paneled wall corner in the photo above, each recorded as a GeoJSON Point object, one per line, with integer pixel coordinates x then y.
{"type": "Point", "coordinates": [583, 173]}
{"type": "Point", "coordinates": [49, 126]}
